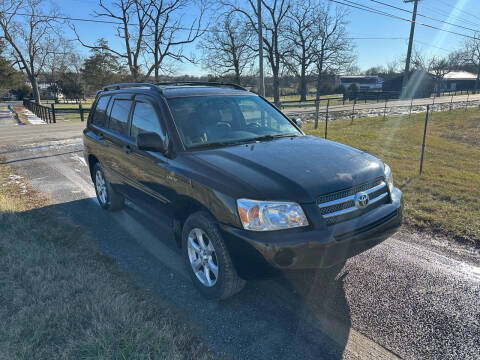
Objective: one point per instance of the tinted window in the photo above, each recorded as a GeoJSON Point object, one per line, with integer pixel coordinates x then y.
{"type": "Point", "coordinates": [99, 114]}
{"type": "Point", "coordinates": [145, 119]}
{"type": "Point", "coordinates": [119, 116]}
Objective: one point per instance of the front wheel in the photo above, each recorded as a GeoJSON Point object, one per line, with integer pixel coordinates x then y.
{"type": "Point", "coordinates": [107, 197]}
{"type": "Point", "coordinates": [207, 258]}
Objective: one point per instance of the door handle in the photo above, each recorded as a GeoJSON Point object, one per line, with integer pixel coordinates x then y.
{"type": "Point", "coordinates": [128, 149]}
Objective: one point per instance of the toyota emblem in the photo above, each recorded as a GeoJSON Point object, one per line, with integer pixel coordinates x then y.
{"type": "Point", "coordinates": [361, 200]}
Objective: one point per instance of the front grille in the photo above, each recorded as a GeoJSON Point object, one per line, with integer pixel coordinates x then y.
{"type": "Point", "coordinates": [366, 228]}
{"type": "Point", "coordinates": [340, 205]}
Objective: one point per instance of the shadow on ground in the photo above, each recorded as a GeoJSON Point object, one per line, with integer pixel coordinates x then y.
{"type": "Point", "coordinates": [302, 315]}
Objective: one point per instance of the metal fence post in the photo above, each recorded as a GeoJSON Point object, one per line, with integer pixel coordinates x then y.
{"type": "Point", "coordinates": [411, 106]}
{"type": "Point", "coordinates": [53, 113]}
{"type": "Point", "coordinates": [317, 113]}
{"type": "Point", "coordinates": [451, 103]}
{"type": "Point", "coordinates": [353, 110]}
{"type": "Point", "coordinates": [326, 118]}
{"type": "Point", "coordinates": [80, 108]}
{"type": "Point", "coordinates": [423, 142]}
{"type": "Point", "coordinates": [385, 109]}
{"type": "Point", "coordinates": [466, 104]}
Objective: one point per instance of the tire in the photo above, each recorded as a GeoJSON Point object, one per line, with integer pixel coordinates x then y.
{"type": "Point", "coordinates": [225, 283]}
{"type": "Point", "coordinates": [107, 197]}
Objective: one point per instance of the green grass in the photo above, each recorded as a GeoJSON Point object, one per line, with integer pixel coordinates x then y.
{"type": "Point", "coordinates": [446, 198]}
{"type": "Point", "coordinates": [60, 298]}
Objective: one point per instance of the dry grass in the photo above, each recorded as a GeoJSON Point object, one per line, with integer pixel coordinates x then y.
{"type": "Point", "coordinates": [60, 298]}
{"type": "Point", "coordinates": [446, 198]}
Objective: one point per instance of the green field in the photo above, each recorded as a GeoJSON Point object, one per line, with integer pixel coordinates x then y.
{"type": "Point", "coordinates": [446, 198]}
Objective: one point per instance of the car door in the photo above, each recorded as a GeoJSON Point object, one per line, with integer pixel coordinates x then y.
{"type": "Point", "coordinates": [149, 169]}
{"type": "Point", "coordinates": [118, 141]}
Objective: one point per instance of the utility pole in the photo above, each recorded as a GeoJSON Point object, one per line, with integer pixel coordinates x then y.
{"type": "Point", "coordinates": [410, 45]}
{"type": "Point", "coordinates": [261, 79]}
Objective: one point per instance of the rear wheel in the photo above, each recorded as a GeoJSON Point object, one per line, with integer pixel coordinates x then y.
{"type": "Point", "coordinates": [207, 258]}
{"type": "Point", "coordinates": [107, 197]}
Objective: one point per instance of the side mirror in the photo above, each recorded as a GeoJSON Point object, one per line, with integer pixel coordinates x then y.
{"type": "Point", "coordinates": [150, 142]}
{"type": "Point", "coordinates": [298, 121]}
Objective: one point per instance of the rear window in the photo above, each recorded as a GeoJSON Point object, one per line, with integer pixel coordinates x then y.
{"type": "Point", "coordinates": [119, 116]}
{"type": "Point", "coordinates": [98, 117]}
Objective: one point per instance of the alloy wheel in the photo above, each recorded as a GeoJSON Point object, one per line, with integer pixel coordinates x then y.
{"type": "Point", "coordinates": [101, 186]}
{"type": "Point", "coordinates": [203, 259]}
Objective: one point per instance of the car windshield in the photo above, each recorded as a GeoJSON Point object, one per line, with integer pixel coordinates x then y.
{"type": "Point", "coordinates": [212, 121]}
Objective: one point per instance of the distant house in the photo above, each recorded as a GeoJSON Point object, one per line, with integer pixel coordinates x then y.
{"type": "Point", "coordinates": [48, 90]}
{"type": "Point", "coordinates": [365, 83]}
{"type": "Point", "coordinates": [459, 80]}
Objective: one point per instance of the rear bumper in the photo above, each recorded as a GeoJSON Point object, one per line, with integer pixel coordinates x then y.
{"type": "Point", "coordinates": [318, 246]}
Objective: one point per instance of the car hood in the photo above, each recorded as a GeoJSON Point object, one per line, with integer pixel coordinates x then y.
{"type": "Point", "coordinates": [296, 169]}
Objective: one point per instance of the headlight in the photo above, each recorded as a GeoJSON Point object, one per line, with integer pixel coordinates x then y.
{"type": "Point", "coordinates": [389, 177]}
{"type": "Point", "coordinates": [270, 215]}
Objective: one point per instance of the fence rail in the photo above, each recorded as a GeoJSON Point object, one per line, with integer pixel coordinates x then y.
{"type": "Point", "coordinates": [49, 113]}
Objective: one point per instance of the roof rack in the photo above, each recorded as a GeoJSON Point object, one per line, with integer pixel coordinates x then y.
{"type": "Point", "coordinates": [130, 85]}
{"type": "Point", "coordinates": [203, 83]}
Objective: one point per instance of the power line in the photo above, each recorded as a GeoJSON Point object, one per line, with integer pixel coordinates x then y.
{"type": "Point", "coordinates": [424, 16]}
{"type": "Point", "coordinates": [458, 9]}
{"type": "Point", "coordinates": [440, 12]}
{"type": "Point", "coordinates": [378, 12]}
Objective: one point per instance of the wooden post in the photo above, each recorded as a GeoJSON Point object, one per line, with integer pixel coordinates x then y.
{"type": "Point", "coordinates": [451, 103]}
{"type": "Point", "coordinates": [466, 104]}
{"type": "Point", "coordinates": [80, 108]}
{"type": "Point", "coordinates": [423, 142]}
{"type": "Point", "coordinates": [53, 113]}
{"type": "Point", "coordinates": [326, 118]}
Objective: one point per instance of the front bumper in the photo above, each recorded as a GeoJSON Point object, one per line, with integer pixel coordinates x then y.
{"type": "Point", "coordinates": [316, 246]}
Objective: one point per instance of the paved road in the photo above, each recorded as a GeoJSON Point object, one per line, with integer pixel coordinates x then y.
{"type": "Point", "coordinates": [412, 296]}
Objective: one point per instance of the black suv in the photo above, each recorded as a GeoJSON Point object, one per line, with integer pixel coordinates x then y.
{"type": "Point", "coordinates": [247, 191]}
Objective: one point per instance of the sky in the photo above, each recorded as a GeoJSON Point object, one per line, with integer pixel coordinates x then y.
{"type": "Point", "coordinates": [391, 35]}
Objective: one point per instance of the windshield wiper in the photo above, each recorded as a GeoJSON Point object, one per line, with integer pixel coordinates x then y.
{"type": "Point", "coordinates": [216, 144]}
{"type": "Point", "coordinates": [240, 141]}
{"type": "Point", "coordinates": [271, 137]}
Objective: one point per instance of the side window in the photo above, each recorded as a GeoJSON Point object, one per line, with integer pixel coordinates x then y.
{"type": "Point", "coordinates": [98, 117]}
{"type": "Point", "coordinates": [119, 116]}
{"type": "Point", "coordinates": [144, 120]}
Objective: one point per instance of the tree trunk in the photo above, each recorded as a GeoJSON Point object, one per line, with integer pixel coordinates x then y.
{"type": "Point", "coordinates": [35, 90]}
{"type": "Point", "coordinates": [303, 83]}
{"type": "Point", "coordinates": [317, 95]}
{"type": "Point", "coordinates": [276, 88]}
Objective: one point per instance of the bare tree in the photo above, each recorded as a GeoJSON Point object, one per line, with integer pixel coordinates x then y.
{"type": "Point", "coordinates": [167, 33]}
{"type": "Point", "coordinates": [470, 55]}
{"type": "Point", "coordinates": [437, 67]}
{"type": "Point", "coordinates": [333, 49]}
{"type": "Point", "coordinates": [32, 38]}
{"type": "Point", "coordinates": [273, 30]}
{"type": "Point", "coordinates": [301, 40]}
{"type": "Point", "coordinates": [227, 48]}
{"type": "Point", "coordinates": [132, 33]}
